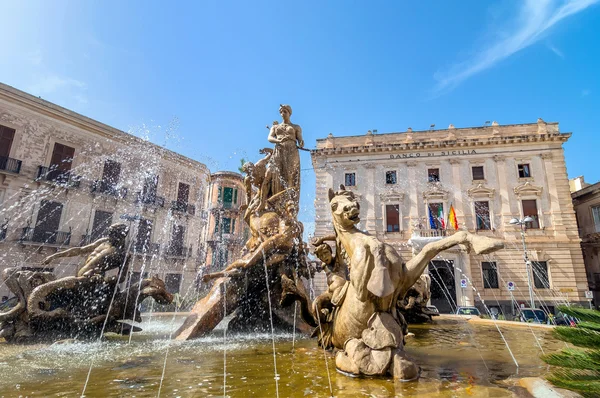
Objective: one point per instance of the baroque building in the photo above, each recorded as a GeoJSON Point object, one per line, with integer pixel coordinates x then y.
{"type": "Point", "coordinates": [226, 231]}
{"type": "Point", "coordinates": [586, 200]}
{"type": "Point", "coordinates": [408, 184]}
{"type": "Point", "coordinates": [64, 178]}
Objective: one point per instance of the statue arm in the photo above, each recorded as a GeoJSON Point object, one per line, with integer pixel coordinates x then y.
{"type": "Point", "coordinates": [89, 266]}
{"type": "Point", "coordinates": [318, 241]}
{"type": "Point", "coordinates": [299, 136]}
{"type": "Point", "coordinates": [273, 137]}
{"type": "Point", "coordinates": [75, 251]}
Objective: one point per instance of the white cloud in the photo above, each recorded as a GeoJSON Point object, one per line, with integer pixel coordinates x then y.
{"type": "Point", "coordinates": [555, 50]}
{"type": "Point", "coordinates": [534, 19]}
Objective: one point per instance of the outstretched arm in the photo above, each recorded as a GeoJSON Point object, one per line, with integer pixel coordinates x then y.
{"type": "Point", "coordinates": [75, 251]}
{"type": "Point", "coordinates": [318, 241]}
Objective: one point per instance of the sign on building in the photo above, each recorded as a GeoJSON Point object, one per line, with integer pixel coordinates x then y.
{"type": "Point", "coordinates": [463, 283]}
{"type": "Point", "coordinates": [511, 285]}
{"type": "Point", "coordinates": [589, 295]}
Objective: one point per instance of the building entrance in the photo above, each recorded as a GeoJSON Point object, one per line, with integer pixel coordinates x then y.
{"type": "Point", "coordinates": [443, 285]}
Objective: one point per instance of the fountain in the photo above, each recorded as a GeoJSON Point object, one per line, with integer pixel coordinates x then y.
{"type": "Point", "coordinates": [360, 321]}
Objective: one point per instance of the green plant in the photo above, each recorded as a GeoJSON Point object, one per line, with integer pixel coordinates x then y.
{"type": "Point", "coordinates": [241, 167]}
{"type": "Point", "coordinates": [578, 369]}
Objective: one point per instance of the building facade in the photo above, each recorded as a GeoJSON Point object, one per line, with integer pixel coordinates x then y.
{"type": "Point", "coordinates": [586, 201]}
{"type": "Point", "coordinates": [64, 178]}
{"type": "Point", "coordinates": [227, 232]}
{"type": "Point", "coordinates": [407, 183]}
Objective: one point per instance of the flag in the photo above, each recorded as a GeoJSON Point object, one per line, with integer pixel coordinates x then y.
{"type": "Point", "coordinates": [440, 216]}
{"type": "Point", "coordinates": [431, 219]}
{"type": "Point", "coordinates": [452, 217]}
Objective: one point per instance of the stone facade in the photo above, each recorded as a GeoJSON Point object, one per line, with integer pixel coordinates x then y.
{"type": "Point", "coordinates": [65, 177]}
{"type": "Point", "coordinates": [488, 175]}
{"type": "Point", "coordinates": [587, 208]}
{"type": "Point", "coordinates": [226, 231]}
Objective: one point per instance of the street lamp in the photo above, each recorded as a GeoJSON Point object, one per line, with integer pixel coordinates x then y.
{"type": "Point", "coordinates": [523, 224]}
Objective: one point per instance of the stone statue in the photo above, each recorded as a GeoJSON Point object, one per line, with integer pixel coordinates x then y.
{"type": "Point", "coordinates": [364, 323]}
{"type": "Point", "coordinates": [283, 170]}
{"type": "Point", "coordinates": [79, 306]}
{"type": "Point", "coordinates": [275, 256]}
{"type": "Point", "coordinates": [73, 306]}
{"type": "Point", "coordinates": [105, 253]}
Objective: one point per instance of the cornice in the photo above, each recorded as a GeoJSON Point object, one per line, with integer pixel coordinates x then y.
{"type": "Point", "coordinates": [528, 188]}
{"type": "Point", "coordinates": [480, 190]}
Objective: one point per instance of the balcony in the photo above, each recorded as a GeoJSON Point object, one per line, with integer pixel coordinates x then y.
{"type": "Point", "coordinates": [36, 235]}
{"type": "Point", "coordinates": [150, 200]}
{"type": "Point", "coordinates": [146, 248]}
{"type": "Point", "coordinates": [225, 206]}
{"type": "Point", "coordinates": [11, 165]}
{"type": "Point", "coordinates": [175, 250]}
{"type": "Point", "coordinates": [432, 233]}
{"type": "Point", "coordinates": [183, 207]}
{"type": "Point", "coordinates": [59, 177]}
{"type": "Point", "coordinates": [103, 187]}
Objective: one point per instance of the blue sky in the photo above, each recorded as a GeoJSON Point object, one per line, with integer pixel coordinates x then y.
{"type": "Point", "coordinates": [205, 77]}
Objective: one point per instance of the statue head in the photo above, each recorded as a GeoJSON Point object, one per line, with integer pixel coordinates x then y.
{"type": "Point", "coordinates": [285, 111]}
{"type": "Point", "coordinates": [291, 208]}
{"type": "Point", "coordinates": [324, 253]}
{"type": "Point", "coordinates": [248, 167]}
{"type": "Point", "coordinates": [345, 209]}
{"type": "Point", "coordinates": [269, 224]}
{"type": "Point", "coordinates": [118, 231]}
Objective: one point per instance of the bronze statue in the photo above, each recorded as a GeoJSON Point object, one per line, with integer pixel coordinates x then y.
{"type": "Point", "coordinates": [105, 253]}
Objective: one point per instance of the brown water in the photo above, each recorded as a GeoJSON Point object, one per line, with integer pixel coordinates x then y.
{"type": "Point", "coordinates": [457, 359]}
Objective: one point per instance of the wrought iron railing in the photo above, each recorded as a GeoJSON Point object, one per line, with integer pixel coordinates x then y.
{"type": "Point", "coordinates": [10, 164]}
{"type": "Point", "coordinates": [101, 186]}
{"type": "Point", "coordinates": [145, 248]}
{"type": "Point", "coordinates": [183, 207]}
{"type": "Point", "coordinates": [39, 235]}
{"type": "Point", "coordinates": [152, 200]}
{"type": "Point", "coordinates": [175, 250]}
{"type": "Point", "coordinates": [433, 233]}
{"type": "Point", "coordinates": [59, 177]}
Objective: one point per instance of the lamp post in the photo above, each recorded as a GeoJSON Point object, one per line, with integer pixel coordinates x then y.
{"type": "Point", "coordinates": [522, 224]}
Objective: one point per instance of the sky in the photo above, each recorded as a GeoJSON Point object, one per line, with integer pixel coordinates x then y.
{"type": "Point", "coordinates": [204, 78]}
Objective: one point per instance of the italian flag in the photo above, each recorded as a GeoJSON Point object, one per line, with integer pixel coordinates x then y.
{"type": "Point", "coordinates": [440, 216]}
{"type": "Point", "coordinates": [452, 218]}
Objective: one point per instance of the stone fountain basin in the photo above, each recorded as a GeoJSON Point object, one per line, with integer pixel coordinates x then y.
{"type": "Point", "coordinates": [450, 353]}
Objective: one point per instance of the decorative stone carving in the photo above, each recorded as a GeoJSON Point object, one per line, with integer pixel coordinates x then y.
{"type": "Point", "coordinates": [435, 191]}
{"type": "Point", "coordinates": [480, 190]}
{"type": "Point", "coordinates": [391, 196]}
{"type": "Point", "coordinates": [498, 158]}
{"type": "Point", "coordinates": [527, 189]}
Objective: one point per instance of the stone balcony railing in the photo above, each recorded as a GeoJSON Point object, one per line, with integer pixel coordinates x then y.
{"type": "Point", "coordinates": [37, 235]}
{"type": "Point", "coordinates": [11, 165]}
{"type": "Point", "coordinates": [432, 233]}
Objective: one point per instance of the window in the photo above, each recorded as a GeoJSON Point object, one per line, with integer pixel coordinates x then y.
{"type": "Point", "coordinates": [524, 171]}
{"type": "Point", "coordinates": [111, 174]}
{"type": "Point", "coordinates": [530, 209]}
{"type": "Point", "coordinates": [478, 173]}
{"type": "Point", "coordinates": [183, 193]}
{"type": "Point", "coordinates": [48, 222]}
{"type": "Point", "coordinates": [490, 275]}
{"type": "Point", "coordinates": [392, 218]}
{"type": "Point", "coordinates": [226, 225]}
{"type": "Point", "coordinates": [436, 216]}
{"type": "Point", "coordinates": [235, 196]}
{"type": "Point", "coordinates": [102, 220]}
{"type": "Point", "coordinates": [540, 274]}
{"type": "Point", "coordinates": [596, 217]}
{"type": "Point", "coordinates": [390, 177]}
{"type": "Point", "coordinates": [6, 139]}
{"type": "Point", "coordinates": [482, 215]}
{"type": "Point", "coordinates": [173, 283]}
{"type": "Point", "coordinates": [433, 175]}
{"type": "Point", "coordinates": [60, 163]}
{"type": "Point", "coordinates": [227, 197]}
{"type": "Point", "coordinates": [142, 242]}
{"type": "Point", "coordinates": [350, 179]}
{"type": "Point", "coordinates": [177, 238]}
{"type": "Point", "coordinates": [149, 189]}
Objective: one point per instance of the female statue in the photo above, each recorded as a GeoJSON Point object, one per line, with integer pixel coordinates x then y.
{"type": "Point", "coordinates": [284, 165]}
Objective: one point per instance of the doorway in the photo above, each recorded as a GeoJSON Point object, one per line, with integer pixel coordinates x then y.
{"type": "Point", "coordinates": [443, 285]}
